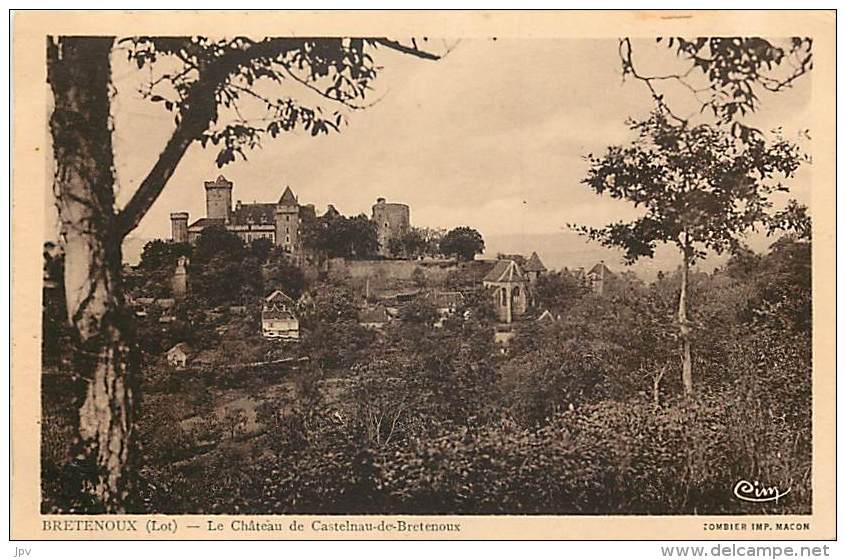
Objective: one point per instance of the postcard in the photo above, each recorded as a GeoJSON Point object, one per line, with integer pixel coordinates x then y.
{"type": "Point", "coordinates": [423, 275]}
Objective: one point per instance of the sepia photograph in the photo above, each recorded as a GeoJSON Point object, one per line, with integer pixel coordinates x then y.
{"type": "Point", "coordinates": [429, 273]}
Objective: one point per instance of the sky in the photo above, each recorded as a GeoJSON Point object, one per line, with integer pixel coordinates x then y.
{"type": "Point", "coordinates": [492, 136]}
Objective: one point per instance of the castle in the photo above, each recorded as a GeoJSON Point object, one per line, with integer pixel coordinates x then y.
{"type": "Point", "coordinates": [280, 222]}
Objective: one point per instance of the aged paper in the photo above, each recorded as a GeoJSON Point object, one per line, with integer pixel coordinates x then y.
{"type": "Point", "coordinates": [385, 323]}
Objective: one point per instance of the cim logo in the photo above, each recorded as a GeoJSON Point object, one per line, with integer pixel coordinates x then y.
{"type": "Point", "coordinates": [757, 492]}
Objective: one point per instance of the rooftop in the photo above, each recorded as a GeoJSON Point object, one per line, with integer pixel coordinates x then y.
{"type": "Point", "coordinates": [288, 197]}
{"type": "Point", "coordinates": [600, 269]}
{"type": "Point", "coordinates": [255, 213]}
{"type": "Point", "coordinates": [206, 222]}
{"type": "Point", "coordinates": [505, 271]}
{"type": "Point", "coordinates": [534, 264]}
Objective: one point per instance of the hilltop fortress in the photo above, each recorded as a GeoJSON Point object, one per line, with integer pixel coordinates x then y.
{"type": "Point", "coordinates": [278, 221]}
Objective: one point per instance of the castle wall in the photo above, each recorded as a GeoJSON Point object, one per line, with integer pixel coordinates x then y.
{"type": "Point", "coordinates": [390, 270]}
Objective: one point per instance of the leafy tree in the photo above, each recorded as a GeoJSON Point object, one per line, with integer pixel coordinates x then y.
{"type": "Point", "coordinates": [395, 246]}
{"type": "Point", "coordinates": [361, 237]}
{"type": "Point", "coordinates": [201, 82]}
{"type": "Point", "coordinates": [462, 242]}
{"type": "Point", "coordinates": [418, 276]}
{"type": "Point", "coordinates": [700, 190]}
{"type": "Point", "coordinates": [412, 244]}
{"type": "Point", "coordinates": [329, 303]}
{"type": "Point", "coordinates": [261, 249]}
{"type": "Point", "coordinates": [222, 270]}
{"type": "Point", "coordinates": [725, 75]}
{"type": "Point", "coordinates": [431, 239]}
{"type": "Point", "coordinates": [281, 274]}
{"type": "Point", "coordinates": [158, 262]}
{"type": "Point", "coordinates": [334, 235]}
{"type": "Point", "coordinates": [557, 290]}
{"type": "Point", "coordinates": [217, 241]}
{"type": "Point", "coordinates": [420, 312]}
{"type": "Point", "coordinates": [159, 253]}
{"type": "Point", "coordinates": [782, 282]}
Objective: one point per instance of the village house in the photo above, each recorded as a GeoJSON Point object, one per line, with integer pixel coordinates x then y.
{"type": "Point", "coordinates": [177, 356]}
{"type": "Point", "coordinates": [446, 303]}
{"type": "Point", "coordinates": [534, 268]}
{"type": "Point", "coordinates": [598, 278]}
{"type": "Point", "coordinates": [278, 320]}
{"type": "Point", "coordinates": [508, 286]}
{"type": "Point", "coordinates": [548, 317]}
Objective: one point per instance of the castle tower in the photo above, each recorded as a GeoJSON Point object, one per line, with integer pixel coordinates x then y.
{"type": "Point", "coordinates": [288, 221]}
{"type": "Point", "coordinates": [393, 220]}
{"type": "Point", "coordinates": [179, 227]}
{"type": "Point", "coordinates": [219, 199]}
{"type": "Point", "coordinates": [180, 278]}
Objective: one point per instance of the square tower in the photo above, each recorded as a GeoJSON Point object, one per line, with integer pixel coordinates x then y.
{"type": "Point", "coordinates": [219, 199]}
{"type": "Point", "coordinates": [288, 221]}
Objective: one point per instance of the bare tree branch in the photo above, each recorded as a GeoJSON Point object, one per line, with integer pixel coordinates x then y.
{"type": "Point", "coordinates": [412, 50]}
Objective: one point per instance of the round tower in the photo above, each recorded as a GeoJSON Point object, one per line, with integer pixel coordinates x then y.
{"type": "Point", "coordinates": [393, 220]}
{"type": "Point", "coordinates": [179, 227]}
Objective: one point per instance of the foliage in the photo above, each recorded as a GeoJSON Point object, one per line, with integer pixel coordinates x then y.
{"type": "Point", "coordinates": [730, 72]}
{"type": "Point", "coordinates": [334, 235]}
{"type": "Point", "coordinates": [261, 249]}
{"type": "Point", "coordinates": [436, 420]}
{"type": "Point", "coordinates": [57, 335]}
{"type": "Point", "coordinates": [462, 242]}
{"type": "Point", "coordinates": [340, 70]}
{"type": "Point", "coordinates": [158, 262]}
{"type": "Point", "coordinates": [432, 239]}
{"type": "Point", "coordinates": [328, 303]}
{"type": "Point", "coordinates": [782, 287]}
{"type": "Point", "coordinates": [158, 254]}
{"type": "Point", "coordinates": [222, 270]}
{"type": "Point", "coordinates": [420, 312]}
{"type": "Point", "coordinates": [558, 290]}
{"type": "Point", "coordinates": [282, 274]}
{"type": "Point", "coordinates": [411, 244]}
{"type": "Point", "coordinates": [336, 345]}
{"type": "Point", "coordinates": [418, 276]}
{"type": "Point", "coordinates": [699, 187]}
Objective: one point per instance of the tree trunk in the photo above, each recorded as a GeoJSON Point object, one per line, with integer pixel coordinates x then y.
{"type": "Point", "coordinates": [684, 327]}
{"type": "Point", "coordinates": [79, 73]}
